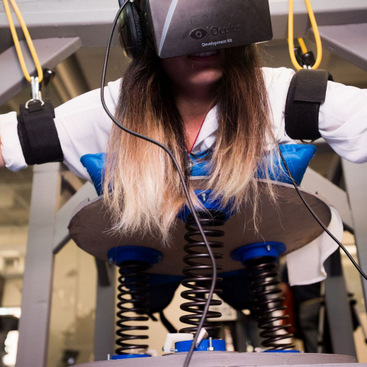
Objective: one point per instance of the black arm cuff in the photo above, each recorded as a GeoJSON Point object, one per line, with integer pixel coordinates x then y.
{"type": "Point", "coordinates": [306, 92]}
{"type": "Point", "coordinates": [37, 133]}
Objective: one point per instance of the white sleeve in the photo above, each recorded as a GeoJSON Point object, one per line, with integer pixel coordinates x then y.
{"type": "Point", "coordinates": [343, 121]}
{"type": "Point", "coordinates": [82, 126]}
{"type": "Point", "coordinates": [277, 82]}
{"type": "Point", "coordinates": [342, 117]}
{"type": "Point", "coordinates": [11, 149]}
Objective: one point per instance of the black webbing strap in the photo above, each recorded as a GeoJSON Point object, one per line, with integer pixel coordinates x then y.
{"type": "Point", "coordinates": [306, 92]}
{"type": "Point", "coordinates": [37, 133]}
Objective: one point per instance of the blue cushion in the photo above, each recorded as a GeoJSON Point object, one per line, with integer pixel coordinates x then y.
{"type": "Point", "coordinates": [297, 157]}
{"type": "Point", "coordinates": [95, 165]}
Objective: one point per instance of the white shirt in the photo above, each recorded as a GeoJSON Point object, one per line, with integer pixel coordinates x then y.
{"type": "Point", "coordinates": [83, 128]}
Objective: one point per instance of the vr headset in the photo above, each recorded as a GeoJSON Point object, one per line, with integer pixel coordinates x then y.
{"type": "Point", "coordinates": [183, 27]}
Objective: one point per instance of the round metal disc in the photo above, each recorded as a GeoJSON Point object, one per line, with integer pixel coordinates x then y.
{"type": "Point", "coordinates": [286, 221]}
{"type": "Point", "coordinates": [232, 359]}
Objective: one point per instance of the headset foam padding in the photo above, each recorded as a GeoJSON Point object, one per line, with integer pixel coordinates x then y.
{"type": "Point", "coordinates": [132, 36]}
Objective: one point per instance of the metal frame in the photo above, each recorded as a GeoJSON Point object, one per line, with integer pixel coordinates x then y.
{"type": "Point", "coordinates": [355, 176]}
{"type": "Point", "coordinates": [51, 52]}
{"type": "Point", "coordinates": [37, 282]}
{"type": "Point", "coordinates": [338, 308]}
{"type": "Point", "coordinates": [351, 205]}
{"type": "Point", "coordinates": [46, 236]}
{"type": "Point", "coordinates": [347, 41]}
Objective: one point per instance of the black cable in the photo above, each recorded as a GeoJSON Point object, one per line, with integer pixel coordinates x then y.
{"type": "Point", "coordinates": [318, 220]}
{"type": "Point", "coordinates": [190, 203]}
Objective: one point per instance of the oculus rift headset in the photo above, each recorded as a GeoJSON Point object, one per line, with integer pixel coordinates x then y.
{"type": "Point", "coordinates": [182, 27]}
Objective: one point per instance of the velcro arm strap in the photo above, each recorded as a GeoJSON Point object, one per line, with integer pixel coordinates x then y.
{"type": "Point", "coordinates": [37, 133]}
{"type": "Point", "coordinates": [306, 92]}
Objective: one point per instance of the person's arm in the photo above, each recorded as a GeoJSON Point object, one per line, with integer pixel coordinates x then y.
{"type": "Point", "coordinates": [11, 150]}
{"type": "Point", "coordinates": [343, 121]}
{"type": "Point", "coordinates": [82, 127]}
{"type": "Point", "coordinates": [342, 117]}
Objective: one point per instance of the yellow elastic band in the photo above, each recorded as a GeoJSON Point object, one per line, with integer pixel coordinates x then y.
{"type": "Point", "coordinates": [315, 29]}
{"type": "Point", "coordinates": [28, 39]}
{"type": "Point", "coordinates": [302, 45]}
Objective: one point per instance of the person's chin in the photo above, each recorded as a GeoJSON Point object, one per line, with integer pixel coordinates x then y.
{"type": "Point", "coordinates": [207, 83]}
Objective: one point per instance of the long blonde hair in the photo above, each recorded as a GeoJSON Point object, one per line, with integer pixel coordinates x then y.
{"type": "Point", "coordinates": [142, 188]}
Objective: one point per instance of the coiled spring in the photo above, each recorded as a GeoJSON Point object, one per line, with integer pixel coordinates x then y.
{"type": "Point", "coordinates": [132, 306]}
{"type": "Point", "coordinates": [268, 305]}
{"type": "Point", "coordinates": [199, 271]}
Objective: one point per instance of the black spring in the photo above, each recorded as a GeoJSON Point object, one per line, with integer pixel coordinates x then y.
{"type": "Point", "coordinates": [268, 304]}
{"type": "Point", "coordinates": [132, 306]}
{"type": "Point", "coordinates": [199, 271]}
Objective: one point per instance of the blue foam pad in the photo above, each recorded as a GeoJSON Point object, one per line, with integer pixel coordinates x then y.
{"type": "Point", "coordinates": [95, 165]}
{"type": "Point", "coordinates": [297, 157]}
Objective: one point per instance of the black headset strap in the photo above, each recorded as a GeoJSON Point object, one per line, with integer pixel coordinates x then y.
{"type": "Point", "coordinates": [306, 92]}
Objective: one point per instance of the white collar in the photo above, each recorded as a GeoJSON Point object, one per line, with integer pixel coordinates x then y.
{"type": "Point", "coordinates": [208, 132]}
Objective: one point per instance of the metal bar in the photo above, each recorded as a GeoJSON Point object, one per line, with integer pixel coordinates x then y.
{"type": "Point", "coordinates": [338, 308]}
{"type": "Point", "coordinates": [334, 195]}
{"type": "Point", "coordinates": [38, 274]}
{"type": "Point", "coordinates": [65, 213]}
{"type": "Point", "coordinates": [105, 319]}
{"type": "Point", "coordinates": [356, 182]}
{"type": "Point", "coordinates": [347, 41]}
{"type": "Point", "coordinates": [51, 51]}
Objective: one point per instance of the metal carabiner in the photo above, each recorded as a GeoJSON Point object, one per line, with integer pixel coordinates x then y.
{"type": "Point", "coordinates": [36, 93]}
